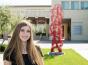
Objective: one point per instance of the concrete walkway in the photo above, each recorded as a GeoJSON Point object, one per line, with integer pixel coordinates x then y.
{"type": "Point", "coordinates": [1, 59]}
{"type": "Point", "coordinates": [80, 48]}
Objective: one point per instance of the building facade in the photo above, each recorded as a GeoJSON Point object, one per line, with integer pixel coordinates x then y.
{"type": "Point", "coordinates": [38, 14]}
{"type": "Point", "coordinates": [75, 18]}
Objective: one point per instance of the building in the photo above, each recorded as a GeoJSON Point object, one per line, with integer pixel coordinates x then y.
{"type": "Point", "coordinates": [75, 18]}
{"type": "Point", "coordinates": [38, 14]}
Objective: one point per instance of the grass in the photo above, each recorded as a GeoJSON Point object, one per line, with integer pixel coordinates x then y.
{"type": "Point", "coordinates": [70, 57]}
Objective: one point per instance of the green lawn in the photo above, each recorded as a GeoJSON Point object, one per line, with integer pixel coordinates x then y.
{"type": "Point", "coordinates": [70, 57]}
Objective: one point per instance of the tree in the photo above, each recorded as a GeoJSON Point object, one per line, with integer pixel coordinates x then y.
{"type": "Point", "coordinates": [4, 20]}
{"type": "Point", "coordinates": [14, 20]}
{"type": "Point", "coordinates": [7, 21]}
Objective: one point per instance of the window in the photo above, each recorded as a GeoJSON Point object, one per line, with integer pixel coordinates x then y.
{"type": "Point", "coordinates": [74, 5]}
{"type": "Point", "coordinates": [84, 5]}
{"type": "Point", "coordinates": [77, 28]}
{"type": "Point", "coordinates": [65, 5]}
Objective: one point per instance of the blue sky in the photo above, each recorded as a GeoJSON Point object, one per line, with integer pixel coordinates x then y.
{"type": "Point", "coordinates": [25, 2]}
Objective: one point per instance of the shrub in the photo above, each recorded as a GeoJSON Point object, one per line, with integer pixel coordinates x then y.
{"type": "Point", "coordinates": [2, 47]}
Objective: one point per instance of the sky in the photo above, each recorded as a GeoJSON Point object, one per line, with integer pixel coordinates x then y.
{"type": "Point", "coordinates": [25, 2]}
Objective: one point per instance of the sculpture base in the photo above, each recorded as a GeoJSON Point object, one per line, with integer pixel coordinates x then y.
{"type": "Point", "coordinates": [56, 53]}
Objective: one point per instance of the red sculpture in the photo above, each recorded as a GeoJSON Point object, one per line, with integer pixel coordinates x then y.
{"type": "Point", "coordinates": [56, 28]}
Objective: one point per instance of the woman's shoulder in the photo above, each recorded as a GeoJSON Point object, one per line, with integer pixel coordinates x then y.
{"type": "Point", "coordinates": [39, 49]}
{"type": "Point", "coordinates": [8, 55]}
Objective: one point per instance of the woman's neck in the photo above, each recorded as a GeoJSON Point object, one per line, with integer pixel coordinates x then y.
{"type": "Point", "coordinates": [24, 45]}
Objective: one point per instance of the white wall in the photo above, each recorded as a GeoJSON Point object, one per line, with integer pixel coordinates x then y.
{"type": "Point", "coordinates": [78, 17]}
{"type": "Point", "coordinates": [31, 11]}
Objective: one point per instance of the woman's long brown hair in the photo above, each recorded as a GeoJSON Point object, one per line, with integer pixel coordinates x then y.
{"type": "Point", "coordinates": [16, 45]}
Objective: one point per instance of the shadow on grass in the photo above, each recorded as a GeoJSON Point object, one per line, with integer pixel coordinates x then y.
{"type": "Point", "coordinates": [46, 56]}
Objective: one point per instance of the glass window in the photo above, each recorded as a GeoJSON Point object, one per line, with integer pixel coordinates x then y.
{"type": "Point", "coordinates": [74, 5]}
{"type": "Point", "coordinates": [84, 5]}
{"type": "Point", "coordinates": [77, 30]}
{"type": "Point", "coordinates": [65, 4]}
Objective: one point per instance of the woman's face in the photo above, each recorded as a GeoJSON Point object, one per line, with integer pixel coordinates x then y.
{"type": "Point", "coordinates": [24, 33]}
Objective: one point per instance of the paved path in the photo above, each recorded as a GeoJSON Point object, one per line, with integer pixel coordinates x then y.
{"type": "Point", "coordinates": [1, 59]}
{"type": "Point", "coordinates": [81, 48]}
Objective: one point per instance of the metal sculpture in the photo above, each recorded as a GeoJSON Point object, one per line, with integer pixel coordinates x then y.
{"type": "Point", "coordinates": [55, 29]}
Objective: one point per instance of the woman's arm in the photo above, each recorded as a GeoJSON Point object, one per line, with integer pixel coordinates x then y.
{"type": "Point", "coordinates": [7, 62]}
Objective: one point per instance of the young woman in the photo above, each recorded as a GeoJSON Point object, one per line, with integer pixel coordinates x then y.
{"type": "Point", "coordinates": [21, 49]}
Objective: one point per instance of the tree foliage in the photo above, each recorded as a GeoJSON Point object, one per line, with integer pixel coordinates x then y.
{"type": "Point", "coordinates": [7, 21]}
{"type": "Point", "coordinates": [4, 19]}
